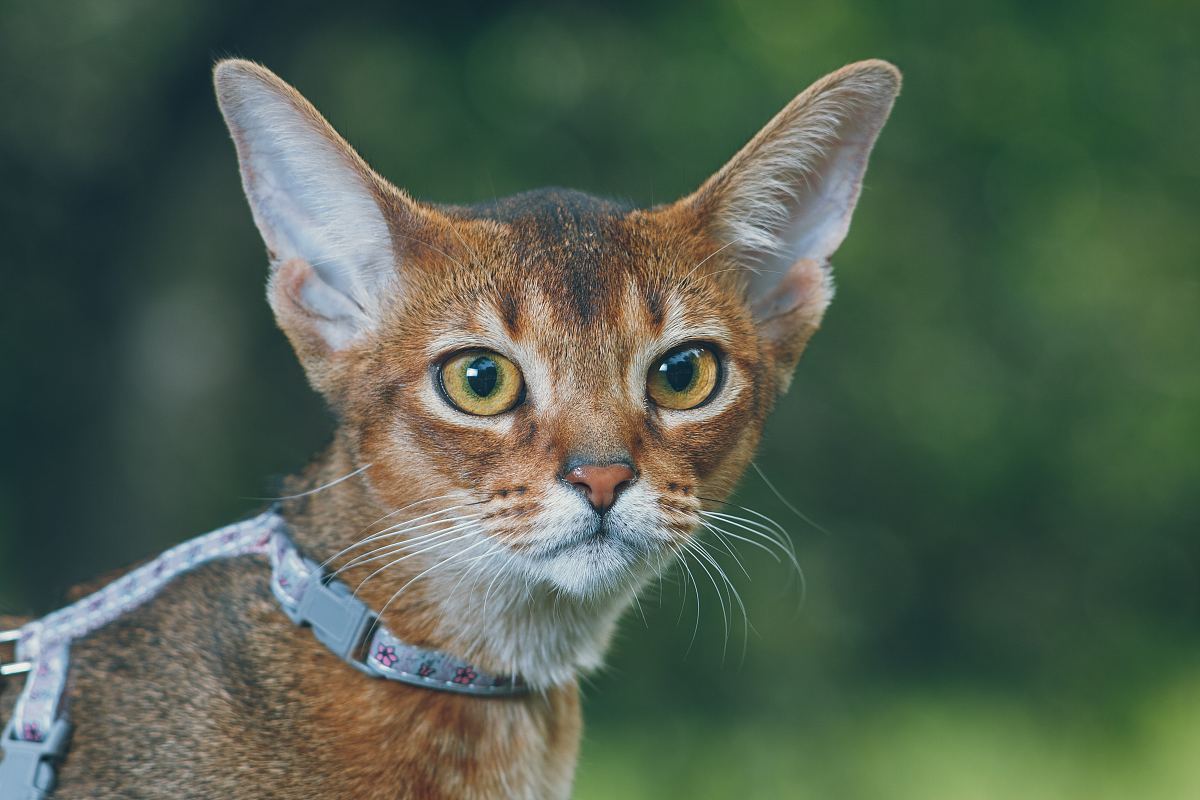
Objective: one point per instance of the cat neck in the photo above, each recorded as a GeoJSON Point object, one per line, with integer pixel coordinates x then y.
{"type": "Point", "coordinates": [487, 613]}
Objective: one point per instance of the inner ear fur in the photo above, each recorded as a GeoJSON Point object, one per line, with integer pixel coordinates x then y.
{"type": "Point", "coordinates": [315, 201]}
{"type": "Point", "coordinates": [780, 208]}
{"type": "Point", "coordinates": [340, 238]}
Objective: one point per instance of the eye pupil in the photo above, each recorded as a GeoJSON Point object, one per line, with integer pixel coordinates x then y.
{"type": "Point", "coordinates": [684, 378]}
{"type": "Point", "coordinates": [679, 369]}
{"type": "Point", "coordinates": [482, 375]}
{"type": "Point", "coordinates": [481, 383]}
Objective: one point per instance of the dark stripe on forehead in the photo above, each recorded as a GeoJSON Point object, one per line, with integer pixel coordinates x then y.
{"type": "Point", "coordinates": [510, 314]}
{"type": "Point", "coordinates": [573, 245]}
{"type": "Point", "coordinates": [655, 306]}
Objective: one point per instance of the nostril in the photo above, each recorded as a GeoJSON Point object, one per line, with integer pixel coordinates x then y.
{"type": "Point", "coordinates": [601, 483]}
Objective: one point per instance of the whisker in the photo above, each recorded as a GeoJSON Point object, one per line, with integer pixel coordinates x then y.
{"type": "Point", "coordinates": [322, 488]}
{"type": "Point", "coordinates": [777, 532]}
{"type": "Point", "coordinates": [689, 578]}
{"type": "Point", "coordinates": [692, 547]}
{"type": "Point", "coordinates": [721, 571]}
{"type": "Point", "coordinates": [753, 528]}
{"type": "Point", "coordinates": [393, 513]}
{"type": "Point", "coordinates": [767, 523]}
{"type": "Point", "coordinates": [790, 552]}
{"type": "Point", "coordinates": [388, 550]}
{"type": "Point", "coordinates": [434, 546]}
{"type": "Point", "coordinates": [727, 547]}
{"type": "Point", "coordinates": [493, 551]}
{"type": "Point", "coordinates": [488, 592]}
{"type": "Point", "coordinates": [770, 529]}
{"type": "Point", "coordinates": [425, 572]}
{"type": "Point", "coordinates": [713, 527]}
{"type": "Point", "coordinates": [399, 529]}
{"type": "Point", "coordinates": [703, 261]}
{"type": "Point", "coordinates": [736, 595]}
{"type": "Point", "coordinates": [452, 526]}
{"type": "Point", "coordinates": [474, 595]}
{"type": "Point", "coordinates": [785, 501]}
{"type": "Point", "coordinates": [638, 604]}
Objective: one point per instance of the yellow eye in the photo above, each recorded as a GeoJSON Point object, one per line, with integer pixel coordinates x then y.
{"type": "Point", "coordinates": [481, 382]}
{"type": "Point", "coordinates": [684, 378]}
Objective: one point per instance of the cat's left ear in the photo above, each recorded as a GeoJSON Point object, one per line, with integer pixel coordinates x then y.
{"type": "Point", "coordinates": [320, 210]}
{"type": "Point", "coordinates": [782, 205]}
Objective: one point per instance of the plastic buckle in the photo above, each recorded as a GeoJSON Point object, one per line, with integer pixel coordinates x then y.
{"type": "Point", "coordinates": [13, 667]}
{"type": "Point", "coordinates": [27, 771]}
{"type": "Point", "coordinates": [338, 618]}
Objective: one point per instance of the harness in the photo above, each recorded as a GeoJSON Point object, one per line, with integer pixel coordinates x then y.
{"type": "Point", "coordinates": [36, 737]}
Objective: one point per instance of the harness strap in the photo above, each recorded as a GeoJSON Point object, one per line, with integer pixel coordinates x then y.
{"type": "Point", "coordinates": [36, 736]}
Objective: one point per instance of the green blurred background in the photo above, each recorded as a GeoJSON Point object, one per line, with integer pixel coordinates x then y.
{"type": "Point", "coordinates": [998, 429]}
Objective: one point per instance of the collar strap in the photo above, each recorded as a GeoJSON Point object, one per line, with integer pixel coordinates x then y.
{"type": "Point", "coordinates": [36, 736]}
{"type": "Point", "coordinates": [353, 632]}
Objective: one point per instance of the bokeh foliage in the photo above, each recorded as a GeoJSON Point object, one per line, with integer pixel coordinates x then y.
{"type": "Point", "coordinates": [998, 429]}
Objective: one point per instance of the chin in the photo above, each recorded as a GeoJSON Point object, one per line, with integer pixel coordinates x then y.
{"type": "Point", "coordinates": [600, 566]}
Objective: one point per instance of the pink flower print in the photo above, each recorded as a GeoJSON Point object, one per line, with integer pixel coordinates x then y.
{"type": "Point", "coordinates": [30, 732]}
{"type": "Point", "coordinates": [465, 676]}
{"type": "Point", "coordinates": [426, 669]}
{"type": "Point", "coordinates": [386, 654]}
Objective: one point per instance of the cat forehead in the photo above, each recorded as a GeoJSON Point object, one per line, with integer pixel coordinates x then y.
{"type": "Point", "coordinates": [569, 257]}
{"type": "Point", "coordinates": [570, 273]}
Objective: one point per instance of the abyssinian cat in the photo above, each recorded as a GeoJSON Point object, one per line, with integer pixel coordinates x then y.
{"type": "Point", "coordinates": [538, 400]}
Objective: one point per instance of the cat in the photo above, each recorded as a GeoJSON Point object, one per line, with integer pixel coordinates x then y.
{"type": "Point", "coordinates": [538, 398]}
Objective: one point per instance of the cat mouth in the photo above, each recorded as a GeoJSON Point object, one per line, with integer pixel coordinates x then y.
{"type": "Point", "coordinates": [599, 535]}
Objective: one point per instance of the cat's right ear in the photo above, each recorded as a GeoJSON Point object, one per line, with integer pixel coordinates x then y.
{"type": "Point", "coordinates": [320, 210]}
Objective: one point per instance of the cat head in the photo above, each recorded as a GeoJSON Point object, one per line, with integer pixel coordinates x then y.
{"type": "Point", "coordinates": [583, 376]}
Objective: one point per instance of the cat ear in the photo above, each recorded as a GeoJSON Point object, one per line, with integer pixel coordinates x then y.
{"type": "Point", "coordinates": [317, 205]}
{"type": "Point", "coordinates": [782, 205]}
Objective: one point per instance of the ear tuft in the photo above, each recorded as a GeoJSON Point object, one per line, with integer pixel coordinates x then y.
{"type": "Point", "coordinates": [313, 198]}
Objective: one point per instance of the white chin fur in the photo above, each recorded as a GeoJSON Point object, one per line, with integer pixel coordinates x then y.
{"type": "Point", "coordinates": [548, 613]}
{"type": "Point", "coordinates": [599, 566]}
{"type": "Point", "coordinates": [589, 559]}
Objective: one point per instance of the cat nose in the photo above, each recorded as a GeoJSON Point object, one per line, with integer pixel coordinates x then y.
{"type": "Point", "coordinates": [601, 483]}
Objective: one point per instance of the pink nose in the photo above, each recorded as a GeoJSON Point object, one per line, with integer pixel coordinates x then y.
{"type": "Point", "coordinates": [601, 484]}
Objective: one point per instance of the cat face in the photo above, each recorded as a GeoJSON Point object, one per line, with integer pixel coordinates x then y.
{"type": "Point", "coordinates": [578, 379]}
{"type": "Point", "coordinates": [578, 323]}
